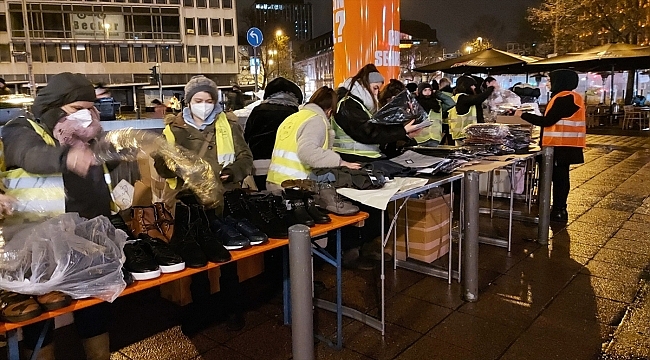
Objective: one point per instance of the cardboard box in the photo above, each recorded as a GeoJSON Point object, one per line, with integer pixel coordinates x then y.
{"type": "Point", "coordinates": [428, 222]}
{"type": "Point", "coordinates": [501, 119]}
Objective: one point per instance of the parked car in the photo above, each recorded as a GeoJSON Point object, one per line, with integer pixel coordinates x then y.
{"type": "Point", "coordinates": [12, 106]}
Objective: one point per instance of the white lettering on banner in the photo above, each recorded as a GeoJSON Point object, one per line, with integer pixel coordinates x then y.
{"type": "Point", "coordinates": [97, 26]}
{"type": "Point", "coordinates": [339, 20]}
{"type": "Point", "coordinates": [393, 38]}
{"type": "Point", "coordinates": [387, 58]}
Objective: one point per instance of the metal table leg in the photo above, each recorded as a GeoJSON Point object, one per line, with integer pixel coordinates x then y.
{"type": "Point", "coordinates": [302, 328]}
{"type": "Point", "coordinates": [546, 177]}
{"type": "Point", "coordinates": [13, 352]}
{"type": "Point", "coordinates": [470, 253]}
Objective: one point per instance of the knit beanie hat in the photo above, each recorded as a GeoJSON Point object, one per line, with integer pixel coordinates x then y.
{"type": "Point", "coordinates": [200, 83]}
{"type": "Point", "coordinates": [412, 87]}
{"type": "Point", "coordinates": [422, 86]}
{"type": "Point", "coordinates": [375, 77]}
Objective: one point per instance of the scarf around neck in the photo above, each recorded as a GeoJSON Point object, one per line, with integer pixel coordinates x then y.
{"type": "Point", "coordinates": [359, 91]}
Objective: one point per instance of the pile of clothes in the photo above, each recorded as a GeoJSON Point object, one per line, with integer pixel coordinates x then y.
{"type": "Point", "coordinates": [520, 136]}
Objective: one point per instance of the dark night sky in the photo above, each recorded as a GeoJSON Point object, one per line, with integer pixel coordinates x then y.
{"type": "Point", "coordinates": [452, 19]}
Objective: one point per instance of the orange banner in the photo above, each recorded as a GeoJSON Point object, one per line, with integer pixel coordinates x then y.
{"type": "Point", "coordinates": [366, 32]}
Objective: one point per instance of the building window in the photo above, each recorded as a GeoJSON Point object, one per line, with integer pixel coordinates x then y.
{"type": "Point", "coordinates": [178, 54]}
{"type": "Point", "coordinates": [110, 53]}
{"type": "Point", "coordinates": [227, 4]}
{"type": "Point", "coordinates": [165, 53]}
{"type": "Point", "coordinates": [50, 53]}
{"type": "Point", "coordinates": [36, 53]}
{"type": "Point", "coordinates": [3, 22]}
{"type": "Point", "coordinates": [161, 1]}
{"type": "Point", "coordinates": [66, 53]}
{"type": "Point", "coordinates": [214, 4]}
{"type": "Point", "coordinates": [124, 54]}
{"type": "Point", "coordinates": [191, 53]}
{"type": "Point", "coordinates": [230, 54]}
{"type": "Point", "coordinates": [217, 54]}
{"type": "Point", "coordinates": [189, 26]}
{"type": "Point", "coordinates": [53, 23]}
{"type": "Point", "coordinates": [228, 27]}
{"type": "Point", "coordinates": [201, 3]}
{"type": "Point", "coordinates": [188, 3]}
{"type": "Point", "coordinates": [151, 54]}
{"type": "Point", "coordinates": [204, 51]}
{"type": "Point", "coordinates": [95, 53]}
{"type": "Point", "coordinates": [174, 2]}
{"type": "Point", "coordinates": [5, 53]}
{"type": "Point", "coordinates": [16, 19]}
{"type": "Point", "coordinates": [81, 53]}
{"type": "Point", "coordinates": [203, 26]}
{"type": "Point", "coordinates": [136, 1]}
{"type": "Point", "coordinates": [138, 54]}
{"type": "Point", "coordinates": [216, 26]}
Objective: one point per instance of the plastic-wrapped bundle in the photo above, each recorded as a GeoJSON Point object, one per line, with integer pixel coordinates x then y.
{"type": "Point", "coordinates": [130, 145]}
{"type": "Point", "coordinates": [521, 136]}
{"type": "Point", "coordinates": [401, 110]}
{"type": "Point", "coordinates": [499, 102]}
{"type": "Point", "coordinates": [489, 134]}
{"type": "Point", "coordinates": [67, 253]}
{"type": "Point", "coordinates": [447, 166]}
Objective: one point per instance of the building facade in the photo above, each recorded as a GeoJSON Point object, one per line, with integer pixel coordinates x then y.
{"type": "Point", "coordinates": [116, 42]}
{"type": "Point", "coordinates": [317, 62]}
{"type": "Point", "coordinates": [295, 15]}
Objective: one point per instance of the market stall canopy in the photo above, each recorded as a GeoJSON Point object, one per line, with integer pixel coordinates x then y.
{"type": "Point", "coordinates": [600, 58]}
{"type": "Point", "coordinates": [489, 61]}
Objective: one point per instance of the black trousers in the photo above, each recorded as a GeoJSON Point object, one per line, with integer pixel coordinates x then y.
{"type": "Point", "coordinates": [90, 322]}
{"type": "Point", "coordinates": [561, 185]}
{"type": "Point", "coordinates": [352, 236]}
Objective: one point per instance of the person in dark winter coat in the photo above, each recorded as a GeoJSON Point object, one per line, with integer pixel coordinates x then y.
{"type": "Point", "coordinates": [238, 101]}
{"type": "Point", "coordinates": [566, 109]}
{"type": "Point", "coordinates": [386, 94]}
{"type": "Point", "coordinates": [281, 99]}
{"type": "Point", "coordinates": [64, 109]}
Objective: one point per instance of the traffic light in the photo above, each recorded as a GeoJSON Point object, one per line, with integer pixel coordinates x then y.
{"type": "Point", "coordinates": [154, 77]}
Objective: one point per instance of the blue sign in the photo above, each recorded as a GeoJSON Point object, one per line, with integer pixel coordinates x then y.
{"type": "Point", "coordinates": [254, 36]}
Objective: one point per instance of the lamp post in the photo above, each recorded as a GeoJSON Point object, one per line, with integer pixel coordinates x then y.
{"type": "Point", "coordinates": [28, 51]}
{"type": "Point", "coordinates": [278, 35]}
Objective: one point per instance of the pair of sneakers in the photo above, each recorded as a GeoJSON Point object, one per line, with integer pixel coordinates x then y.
{"type": "Point", "coordinates": [237, 234]}
{"type": "Point", "coordinates": [147, 258]}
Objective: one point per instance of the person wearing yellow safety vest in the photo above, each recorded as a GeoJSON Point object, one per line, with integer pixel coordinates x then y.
{"type": "Point", "coordinates": [204, 129]}
{"type": "Point", "coordinates": [467, 105]}
{"type": "Point", "coordinates": [432, 135]}
{"type": "Point", "coordinates": [48, 163]}
{"type": "Point", "coordinates": [304, 142]}
{"type": "Point", "coordinates": [356, 138]}
{"type": "Point", "coordinates": [564, 128]}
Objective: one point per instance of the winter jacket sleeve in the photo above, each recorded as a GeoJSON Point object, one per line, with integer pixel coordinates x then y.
{"type": "Point", "coordinates": [563, 107]}
{"type": "Point", "coordinates": [243, 165]}
{"type": "Point", "coordinates": [354, 120]}
{"type": "Point", "coordinates": [311, 137]}
{"type": "Point", "coordinates": [446, 101]}
{"type": "Point", "coordinates": [24, 148]}
{"type": "Point", "coordinates": [466, 101]}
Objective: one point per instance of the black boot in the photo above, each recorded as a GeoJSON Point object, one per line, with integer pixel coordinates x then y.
{"type": "Point", "coordinates": [559, 214]}
{"type": "Point", "coordinates": [184, 239]}
{"type": "Point", "coordinates": [297, 206]}
{"type": "Point", "coordinates": [212, 247]}
{"type": "Point", "coordinates": [262, 213]}
{"type": "Point", "coordinates": [312, 210]}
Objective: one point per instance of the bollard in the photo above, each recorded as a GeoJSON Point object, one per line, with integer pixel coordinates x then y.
{"type": "Point", "coordinates": [545, 177]}
{"type": "Point", "coordinates": [470, 243]}
{"type": "Point", "coordinates": [302, 310]}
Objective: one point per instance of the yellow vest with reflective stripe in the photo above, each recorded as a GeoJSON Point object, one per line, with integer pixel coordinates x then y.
{"type": "Point", "coordinates": [285, 163]}
{"type": "Point", "coordinates": [344, 144]}
{"type": "Point", "coordinates": [225, 145]}
{"type": "Point", "coordinates": [43, 194]}
{"type": "Point", "coordinates": [457, 122]}
{"type": "Point", "coordinates": [433, 132]}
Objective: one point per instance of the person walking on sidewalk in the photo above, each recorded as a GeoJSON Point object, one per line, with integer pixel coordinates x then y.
{"type": "Point", "coordinates": [564, 128]}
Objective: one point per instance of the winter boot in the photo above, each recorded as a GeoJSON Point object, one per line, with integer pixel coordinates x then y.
{"type": "Point", "coordinates": [328, 199]}
{"type": "Point", "coordinates": [314, 212]}
{"type": "Point", "coordinates": [297, 206]}
{"type": "Point", "coordinates": [309, 186]}
{"type": "Point", "coordinates": [97, 347]}
{"type": "Point", "coordinates": [184, 239]}
{"type": "Point", "coordinates": [264, 215]}
{"type": "Point", "coordinates": [209, 241]}
{"type": "Point", "coordinates": [235, 204]}
{"type": "Point", "coordinates": [143, 221]}
{"type": "Point", "coordinates": [164, 220]}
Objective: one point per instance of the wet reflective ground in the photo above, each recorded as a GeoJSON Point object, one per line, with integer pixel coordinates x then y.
{"type": "Point", "coordinates": [585, 296]}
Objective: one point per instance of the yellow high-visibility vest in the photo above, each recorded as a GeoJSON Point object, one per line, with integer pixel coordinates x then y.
{"type": "Point", "coordinates": [344, 144]}
{"type": "Point", "coordinates": [225, 145]}
{"type": "Point", "coordinates": [285, 163]}
{"type": "Point", "coordinates": [433, 132]}
{"type": "Point", "coordinates": [457, 122]}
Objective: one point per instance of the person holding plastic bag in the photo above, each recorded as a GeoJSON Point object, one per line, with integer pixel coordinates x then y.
{"type": "Point", "coordinates": [432, 135]}
{"type": "Point", "coordinates": [467, 105]}
{"type": "Point", "coordinates": [55, 147]}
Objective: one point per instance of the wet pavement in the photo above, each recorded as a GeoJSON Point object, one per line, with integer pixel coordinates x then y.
{"type": "Point", "coordinates": [585, 296]}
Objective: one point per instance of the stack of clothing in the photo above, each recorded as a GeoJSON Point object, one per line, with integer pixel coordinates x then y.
{"type": "Point", "coordinates": [520, 136]}
{"type": "Point", "coordinates": [486, 134]}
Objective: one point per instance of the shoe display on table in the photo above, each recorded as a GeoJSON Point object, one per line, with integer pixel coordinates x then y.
{"type": "Point", "coordinates": [144, 221]}
{"type": "Point", "coordinates": [229, 236]}
{"type": "Point", "coordinates": [162, 253]}
{"type": "Point", "coordinates": [119, 224]}
{"type": "Point", "coordinates": [164, 220]}
{"type": "Point", "coordinates": [207, 239]}
{"type": "Point", "coordinates": [183, 240]}
{"type": "Point", "coordinates": [16, 307]}
{"type": "Point", "coordinates": [138, 262]}
{"type": "Point", "coordinates": [297, 206]}
{"type": "Point", "coordinates": [128, 278]}
{"type": "Point", "coordinates": [267, 214]}
{"type": "Point", "coordinates": [309, 186]}
{"type": "Point", "coordinates": [315, 213]}
{"type": "Point", "coordinates": [328, 199]}
{"type": "Point", "coordinates": [246, 228]}
{"type": "Point", "coordinates": [54, 300]}
{"type": "Point", "coordinates": [235, 202]}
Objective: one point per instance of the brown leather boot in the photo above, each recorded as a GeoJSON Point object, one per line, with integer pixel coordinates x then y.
{"type": "Point", "coordinates": [45, 353]}
{"type": "Point", "coordinates": [143, 221]}
{"type": "Point", "coordinates": [164, 220]}
{"type": "Point", "coordinates": [97, 347]}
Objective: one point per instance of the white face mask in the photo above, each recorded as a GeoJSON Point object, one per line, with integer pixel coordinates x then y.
{"type": "Point", "coordinates": [83, 116]}
{"type": "Point", "coordinates": [202, 110]}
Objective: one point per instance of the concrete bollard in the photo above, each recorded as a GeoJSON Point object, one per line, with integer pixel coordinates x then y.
{"type": "Point", "coordinates": [302, 309]}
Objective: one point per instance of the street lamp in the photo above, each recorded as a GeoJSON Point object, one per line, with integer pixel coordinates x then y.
{"type": "Point", "coordinates": [279, 33]}
{"type": "Point", "coordinates": [468, 49]}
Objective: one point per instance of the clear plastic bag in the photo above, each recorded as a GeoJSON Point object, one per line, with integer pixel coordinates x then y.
{"type": "Point", "coordinates": [501, 101]}
{"type": "Point", "coordinates": [79, 257]}
{"type": "Point", "coordinates": [401, 110]}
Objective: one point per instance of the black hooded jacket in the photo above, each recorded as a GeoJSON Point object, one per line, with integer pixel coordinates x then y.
{"type": "Point", "coordinates": [427, 102]}
{"type": "Point", "coordinates": [24, 148]}
{"type": "Point", "coordinates": [563, 107]}
{"type": "Point", "coordinates": [465, 102]}
{"type": "Point", "coordinates": [265, 119]}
